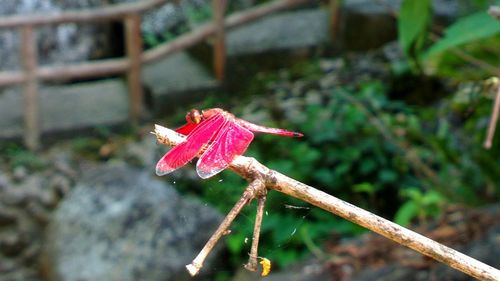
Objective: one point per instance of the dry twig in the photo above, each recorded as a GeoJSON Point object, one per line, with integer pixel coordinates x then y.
{"type": "Point", "coordinates": [261, 177]}
{"type": "Point", "coordinates": [493, 120]}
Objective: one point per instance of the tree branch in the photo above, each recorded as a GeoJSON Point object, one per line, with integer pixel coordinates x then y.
{"type": "Point", "coordinates": [246, 167]}
{"type": "Point", "coordinates": [251, 191]}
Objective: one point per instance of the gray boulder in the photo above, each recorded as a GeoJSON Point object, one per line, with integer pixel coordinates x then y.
{"type": "Point", "coordinates": [123, 224]}
{"type": "Point", "coordinates": [56, 44]}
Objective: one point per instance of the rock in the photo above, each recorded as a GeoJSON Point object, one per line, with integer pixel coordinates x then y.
{"type": "Point", "coordinates": [143, 153]}
{"type": "Point", "coordinates": [20, 193]}
{"type": "Point", "coordinates": [60, 185]}
{"type": "Point", "coordinates": [12, 244]}
{"type": "Point", "coordinates": [4, 182]}
{"type": "Point", "coordinates": [123, 224]}
{"type": "Point", "coordinates": [289, 30]}
{"type": "Point", "coordinates": [161, 19]}
{"type": "Point", "coordinates": [26, 200]}
{"type": "Point", "coordinates": [56, 44]}
{"type": "Point", "coordinates": [7, 217]}
{"type": "Point", "coordinates": [19, 173]}
{"type": "Point", "coordinates": [72, 107]}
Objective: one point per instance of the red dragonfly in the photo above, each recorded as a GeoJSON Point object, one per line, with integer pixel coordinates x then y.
{"type": "Point", "coordinates": [216, 137]}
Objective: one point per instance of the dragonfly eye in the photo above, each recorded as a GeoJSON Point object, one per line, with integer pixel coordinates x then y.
{"type": "Point", "coordinates": [194, 116]}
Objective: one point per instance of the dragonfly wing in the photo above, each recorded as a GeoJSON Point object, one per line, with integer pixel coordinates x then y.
{"type": "Point", "coordinates": [187, 150]}
{"type": "Point", "coordinates": [186, 129]}
{"type": "Point", "coordinates": [276, 131]}
{"type": "Point", "coordinates": [231, 141]}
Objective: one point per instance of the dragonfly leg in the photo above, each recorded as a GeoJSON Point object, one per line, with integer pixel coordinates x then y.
{"type": "Point", "coordinates": [252, 264]}
{"type": "Point", "coordinates": [254, 189]}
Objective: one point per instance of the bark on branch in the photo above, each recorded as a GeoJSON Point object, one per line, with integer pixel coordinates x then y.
{"type": "Point", "coordinates": [248, 167]}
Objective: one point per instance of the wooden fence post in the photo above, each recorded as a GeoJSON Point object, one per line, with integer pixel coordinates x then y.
{"type": "Point", "coordinates": [335, 7]}
{"type": "Point", "coordinates": [219, 7]}
{"type": "Point", "coordinates": [134, 53]}
{"type": "Point", "coordinates": [29, 57]}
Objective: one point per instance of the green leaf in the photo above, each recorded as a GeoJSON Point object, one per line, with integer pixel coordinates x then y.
{"type": "Point", "coordinates": [368, 165]}
{"type": "Point", "coordinates": [471, 28]}
{"type": "Point", "coordinates": [324, 176]}
{"type": "Point", "coordinates": [342, 169]}
{"type": "Point", "coordinates": [432, 198]}
{"type": "Point", "coordinates": [414, 19]}
{"type": "Point", "coordinates": [412, 193]}
{"type": "Point", "coordinates": [406, 213]}
{"type": "Point", "coordinates": [387, 176]}
{"type": "Point", "coordinates": [234, 242]}
{"type": "Point", "coordinates": [365, 187]}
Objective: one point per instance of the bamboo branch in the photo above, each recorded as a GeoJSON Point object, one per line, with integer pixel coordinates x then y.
{"type": "Point", "coordinates": [246, 167]}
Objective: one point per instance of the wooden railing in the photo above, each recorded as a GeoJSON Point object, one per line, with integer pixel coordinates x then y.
{"type": "Point", "coordinates": [130, 14]}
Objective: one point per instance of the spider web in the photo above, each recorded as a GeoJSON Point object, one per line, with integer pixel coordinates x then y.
{"type": "Point", "coordinates": [269, 247]}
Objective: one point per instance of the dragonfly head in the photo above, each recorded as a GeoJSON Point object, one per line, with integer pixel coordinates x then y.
{"type": "Point", "coordinates": [194, 116]}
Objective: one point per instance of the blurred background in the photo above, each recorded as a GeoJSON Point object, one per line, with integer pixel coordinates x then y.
{"type": "Point", "coordinates": [395, 99]}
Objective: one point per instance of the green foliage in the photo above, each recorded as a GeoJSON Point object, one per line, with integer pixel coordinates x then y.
{"type": "Point", "coordinates": [150, 39]}
{"type": "Point", "coordinates": [414, 21]}
{"type": "Point", "coordinates": [420, 205]}
{"type": "Point", "coordinates": [468, 41]}
{"type": "Point", "coordinates": [15, 156]}
{"type": "Point", "coordinates": [198, 15]}
{"type": "Point", "coordinates": [87, 146]}
{"type": "Point", "coordinates": [466, 30]}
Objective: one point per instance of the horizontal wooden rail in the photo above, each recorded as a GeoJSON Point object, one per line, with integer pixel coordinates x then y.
{"type": "Point", "coordinates": [11, 77]}
{"type": "Point", "coordinates": [84, 70]}
{"type": "Point", "coordinates": [113, 12]}
{"type": "Point", "coordinates": [121, 65]}
{"type": "Point", "coordinates": [67, 72]}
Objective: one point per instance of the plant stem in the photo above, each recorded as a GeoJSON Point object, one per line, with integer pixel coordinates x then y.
{"type": "Point", "coordinates": [252, 260]}
{"type": "Point", "coordinates": [247, 196]}
{"type": "Point", "coordinates": [493, 121]}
